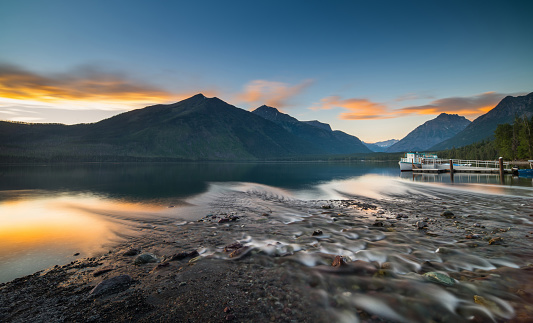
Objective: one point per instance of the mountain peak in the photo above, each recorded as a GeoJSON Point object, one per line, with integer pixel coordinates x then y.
{"type": "Point", "coordinates": [267, 108]}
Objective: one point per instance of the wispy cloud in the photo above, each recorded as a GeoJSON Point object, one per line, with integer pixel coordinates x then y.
{"type": "Point", "coordinates": [362, 108]}
{"type": "Point", "coordinates": [358, 108]}
{"type": "Point", "coordinates": [466, 106]}
{"type": "Point", "coordinates": [276, 94]}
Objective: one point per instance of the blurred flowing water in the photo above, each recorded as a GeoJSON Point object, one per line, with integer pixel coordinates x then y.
{"type": "Point", "coordinates": [49, 214]}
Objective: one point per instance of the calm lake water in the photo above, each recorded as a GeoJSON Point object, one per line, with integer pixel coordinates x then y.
{"type": "Point", "coordinates": [53, 214]}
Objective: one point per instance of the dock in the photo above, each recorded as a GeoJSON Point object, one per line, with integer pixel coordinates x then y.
{"type": "Point", "coordinates": [437, 166]}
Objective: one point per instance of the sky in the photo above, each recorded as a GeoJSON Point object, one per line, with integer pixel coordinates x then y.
{"type": "Point", "coordinates": [374, 69]}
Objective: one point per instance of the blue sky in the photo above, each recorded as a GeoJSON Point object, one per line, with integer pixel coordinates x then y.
{"type": "Point", "coordinates": [374, 69]}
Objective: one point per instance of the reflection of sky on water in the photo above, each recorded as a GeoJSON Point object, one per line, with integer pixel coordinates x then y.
{"type": "Point", "coordinates": [40, 230]}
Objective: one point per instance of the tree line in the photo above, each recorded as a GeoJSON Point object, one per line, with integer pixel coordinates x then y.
{"type": "Point", "coordinates": [515, 141]}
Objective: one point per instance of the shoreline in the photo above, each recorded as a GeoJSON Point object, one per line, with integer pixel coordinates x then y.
{"type": "Point", "coordinates": [282, 270]}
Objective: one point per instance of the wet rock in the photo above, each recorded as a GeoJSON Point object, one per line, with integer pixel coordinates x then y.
{"type": "Point", "coordinates": [102, 271]}
{"type": "Point", "coordinates": [421, 225]}
{"type": "Point", "coordinates": [183, 255]}
{"type": "Point", "coordinates": [447, 214]}
{"type": "Point", "coordinates": [496, 240]}
{"type": "Point", "coordinates": [473, 236]}
{"type": "Point", "coordinates": [439, 278]}
{"type": "Point", "coordinates": [480, 300]}
{"type": "Point", "coordinates": [339, 261]}
{"type": "Point", "coordinates": [377, 223]}
{"type": "Point", "coordinates": [326, 207]}
{"type": "Point", "coordinates": [241, 252]}
{"type": "Point", "coordinates": [76, 254]}
{"type": "Point", "coordinates": [111, 285]}
{"type": "Point", "coordinates": [232, 247]}
{"type": "Point", "coordinates": [386, 265]}
{"type": "Point", "coordinates": [317, 233]}
{"type": "Point", "coordinates": [145, 258]}
{"type": "Point", "coordinates": [132, 252]}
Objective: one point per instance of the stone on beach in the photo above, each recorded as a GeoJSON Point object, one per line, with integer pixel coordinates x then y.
{"type": "Point", "coordinates": [448, 214]}
{"type": "Point", "coordinates": [111, 285]}
{"type": "Point", "coordinates": [145, 258]}
{"type": "Point", "coordinates": [439, 278]}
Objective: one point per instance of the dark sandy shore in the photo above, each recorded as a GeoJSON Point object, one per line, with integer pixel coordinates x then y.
{"type": "Point", "coordinates": [261, 258]}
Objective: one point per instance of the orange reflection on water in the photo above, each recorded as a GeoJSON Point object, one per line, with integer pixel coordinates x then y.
{"type": "Point", "coordinates": [63, 223]}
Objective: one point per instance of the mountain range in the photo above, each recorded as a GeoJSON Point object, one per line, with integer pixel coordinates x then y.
{"type": "Point", "coordinates": [197, 128]}
{"type": "Point", "coordinates": [380, 146]}
{"type": "Point", "coordinates": [201, 128]}
{"type": "Point", "coordinates": [431, 133]}
{"type": "Point", "coordinates": [482, 128]}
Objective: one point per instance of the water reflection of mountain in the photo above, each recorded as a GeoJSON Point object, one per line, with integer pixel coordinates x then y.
{"type": "Point", "coordinates": [160, 180]}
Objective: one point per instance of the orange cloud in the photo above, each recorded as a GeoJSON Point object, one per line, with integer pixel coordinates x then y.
{"type": "Point", "coordinates": [471, 106]}
{"type": "Point", "coordinates": [358, 108]}
{"type": "Point", "coordinates": [83, 84]}
{"type": "Point", "coordinates": [276, 94]}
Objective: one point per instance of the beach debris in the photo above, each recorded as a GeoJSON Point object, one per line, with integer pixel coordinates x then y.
{"type": "Point", "coordinates": [132, 252]}
{"type": "Point", "coordinates": [183, 255]}
{"type": "Point", "coordinates": [439, 278]}
{"type": "Point", "coordinates": [317, 233]}
{"type": "Point", "coordinates": [111, 285]}
{"type": "Point", "coordinates": [496, 240]}
{"type": "Point", "coordinates": [339, 261]}
{"type": "Point", "coordinates": [448, 214]}
{"type": "Point", "coordinates": [145, 258]}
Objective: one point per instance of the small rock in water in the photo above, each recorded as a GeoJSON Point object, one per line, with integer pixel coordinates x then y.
{"type": "Point", "coordinates": [183, 255]}
{"type": "Point", "coordinates": [317, 233]}
{"type": "Point", "coordinates": [421, 225]}
{"type": "Point", "coordinates": [111, 285]}
{"type": "Point", "coordinates": [497, 240]}
{"type": "Point", "coordinates": [326, 206]}
{"type": "Point", "coordinates": [480, 300]}
{"type": "Point", "coordinates": [239, 253]}
{"type": "Point", "coordinates": [448, 214]}
{"type": "Point", "coordinates": [145, 258]}
{"type": "Point", "coordinates": [232, 247]}
{"type": "Point", "coordinates": [132, 252]}
{"type": "Point", "coordinates": [439, 278]}
{"type": "Point", "coordinates": [76, 254]}
{"type": "Point", "coordinates": [338, 261]}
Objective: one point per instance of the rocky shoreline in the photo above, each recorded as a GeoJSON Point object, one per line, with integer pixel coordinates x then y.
{"type": "Point", "coordinates": [439, 256]}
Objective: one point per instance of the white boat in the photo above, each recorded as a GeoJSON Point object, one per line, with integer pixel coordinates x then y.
{"type": "Point", "coordinates": [415, 160]}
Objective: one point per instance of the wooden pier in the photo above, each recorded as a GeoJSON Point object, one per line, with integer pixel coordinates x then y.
{"type": "Point", "coordinates": [438, 166]}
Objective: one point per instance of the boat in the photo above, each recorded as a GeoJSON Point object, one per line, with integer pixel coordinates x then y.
{"type": "Point", "coordinates": [412, 161]}
{"type": "Point", "coordinates": [526, 172]}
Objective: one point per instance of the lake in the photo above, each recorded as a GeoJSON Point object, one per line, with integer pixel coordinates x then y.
{"type": "Point", "coordinates": [55, 214]}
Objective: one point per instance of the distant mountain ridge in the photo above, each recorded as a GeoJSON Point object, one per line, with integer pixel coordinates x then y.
{"type": "Point", "coordinates": [380, 146]}
{"type": "Point", "coordinates": [484, 126]}
{"type": "Point", "coordinates": [431, 133]}
{"type": "Point", "coordinates": [318, 133]}
{"type": "Point", "coordinates": [197, 128]}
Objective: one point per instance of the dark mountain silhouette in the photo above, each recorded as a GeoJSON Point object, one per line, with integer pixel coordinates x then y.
{"type": "Point", "coordinates": [431, 133]}
{"type": "Point", "coordinates": [197, 128]}
{"type": "Point", "coordinates": [314, 132]}
{"type": "Point", "coordinates": [484, 126]}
